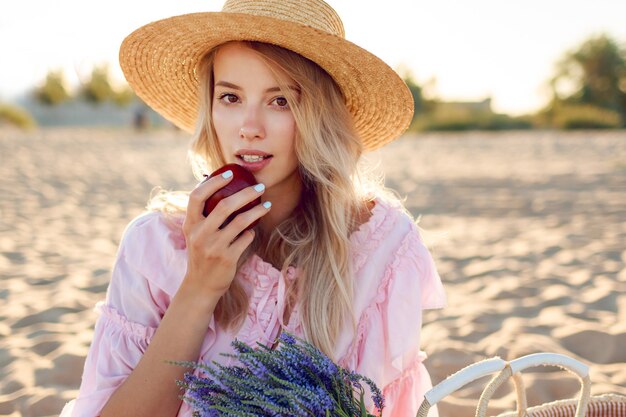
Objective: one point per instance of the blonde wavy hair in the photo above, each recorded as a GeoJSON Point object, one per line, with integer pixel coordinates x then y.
{"type": "Point", "coordinates": [335, 196]}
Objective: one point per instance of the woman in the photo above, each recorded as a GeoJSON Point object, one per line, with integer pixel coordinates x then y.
{"type": "Point", "coordinates": [272, 86]}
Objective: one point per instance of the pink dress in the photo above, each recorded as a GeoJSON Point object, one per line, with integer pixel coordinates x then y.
{"type": "Point", "coordinates": [395, 280]}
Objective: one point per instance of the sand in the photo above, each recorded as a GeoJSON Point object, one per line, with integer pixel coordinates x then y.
{"type": "Point", "coordinates": [528, 230]}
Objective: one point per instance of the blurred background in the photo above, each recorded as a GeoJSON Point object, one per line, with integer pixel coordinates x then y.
{"type": "Point", "coordinates": [514, 164]}
{"type": "Point", "coordinates": [485, 64]}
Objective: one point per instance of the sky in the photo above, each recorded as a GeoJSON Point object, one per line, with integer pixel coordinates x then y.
{"type": "Point", "coordinates": [464, 50]}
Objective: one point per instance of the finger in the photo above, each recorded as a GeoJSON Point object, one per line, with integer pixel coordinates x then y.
{"type": "Point", "coordinates": [202, 192]}
{"type": "Point", "coordinates": [243, 220]}
{"type": "Point", "coordinates": [227, 206]}
{"type": "Point", "coordinates": [241, 243]}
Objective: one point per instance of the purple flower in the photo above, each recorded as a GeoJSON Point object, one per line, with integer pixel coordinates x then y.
{"type": "Point", "coordinates": [295, 380]}
{"type": "Point", "coordinates": [287, 338]}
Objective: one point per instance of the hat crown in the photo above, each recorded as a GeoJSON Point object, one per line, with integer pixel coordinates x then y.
{"type": "Point", "coordinates": [314, 13]}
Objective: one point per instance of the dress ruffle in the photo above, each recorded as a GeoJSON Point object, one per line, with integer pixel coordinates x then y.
{"type": "Point", "coordinates": [116, 349]}
{"type": "Point", "coordinates": [112, 319]}
{"type": "Point", "coordinates": [404, 395]}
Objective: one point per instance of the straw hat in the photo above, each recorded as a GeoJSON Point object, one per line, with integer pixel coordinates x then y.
{"type": "Point", "coordinates": [159, 61]}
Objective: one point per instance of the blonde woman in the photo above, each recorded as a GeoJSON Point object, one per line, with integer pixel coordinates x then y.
{"type": "Point", "coordinates": [272, 86]}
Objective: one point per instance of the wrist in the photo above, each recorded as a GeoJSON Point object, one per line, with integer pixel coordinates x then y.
{"type": "Point", "coordinates": [195, 300]}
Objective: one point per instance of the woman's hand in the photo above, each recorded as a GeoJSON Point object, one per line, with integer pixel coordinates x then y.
{"type": "Point", "coordinates": [212, 254]}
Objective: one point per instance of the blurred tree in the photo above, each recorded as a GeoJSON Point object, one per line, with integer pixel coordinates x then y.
{"type": "Point", "coordinates": [16, 116]}
{"type": "Point", "coordinates": [586, 116]}
{"type": "Point", "coordinates": [593, 74]}
{"type": "Point", "coordinates": [123, 96]}
{"type": "Point", "coordinates": [416, 92]}
{"type": "Point", "coordinates": [421, 104]}
{"type": "Point", "coordinates": [99, 89]}
{"type": "Point", "coordinates": [54, 89]}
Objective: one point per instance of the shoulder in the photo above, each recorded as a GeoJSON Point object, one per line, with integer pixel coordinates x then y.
{"type": "Point", "coordinates": [379, 246]}
{"type": "Point", "coordinates": [389, 252]}
{"type": "Point", "coordinates": [388, 225]}
{"type": "Point", "coordinates": [403, 221]}
{"type": "Point", "coordinates": [395, 279]}
{"type": "Point", "coordinates": [152, 225]}
{"type": "Point", "coordinates": [153, 244]}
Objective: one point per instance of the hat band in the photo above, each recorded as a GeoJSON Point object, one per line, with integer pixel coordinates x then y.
{"type": "Point", "coordinates": [316, 14]}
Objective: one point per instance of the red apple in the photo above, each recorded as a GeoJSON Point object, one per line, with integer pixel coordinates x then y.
{"type": "Point", "coordinates": [242, 178]}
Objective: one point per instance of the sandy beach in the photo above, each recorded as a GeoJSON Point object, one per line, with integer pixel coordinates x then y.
{"type": "Point", "coordinates": [528, 230]}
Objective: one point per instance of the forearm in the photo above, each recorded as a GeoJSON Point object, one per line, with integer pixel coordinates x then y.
{"type": "Point", "coordinates": [150, 390]}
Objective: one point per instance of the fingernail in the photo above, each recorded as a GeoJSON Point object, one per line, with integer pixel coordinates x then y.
{"type": "Point", "coordinates": [227, 174]}
{"type": "Point", "coordinates": [259, 187]}
{"type": "Point", "coordinates": [267, 204]}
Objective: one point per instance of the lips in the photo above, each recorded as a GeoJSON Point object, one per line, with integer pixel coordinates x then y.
{"type": "Point", "coordinates": [255, 166]}
{"type": "Point", "coordinates": [255, 152]}
{"type": "Point", "coordinates": [253, 159]}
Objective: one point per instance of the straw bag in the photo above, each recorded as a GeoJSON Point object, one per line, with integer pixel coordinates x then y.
{"type": "Point", "coordinates": [608, 405]}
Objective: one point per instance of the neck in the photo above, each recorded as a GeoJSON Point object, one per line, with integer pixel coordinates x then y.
{"type": "Point", "coordinates": [284, 200]}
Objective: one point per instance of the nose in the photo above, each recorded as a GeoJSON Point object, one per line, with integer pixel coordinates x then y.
{"type": "Point", "coordinates": [252, 126]}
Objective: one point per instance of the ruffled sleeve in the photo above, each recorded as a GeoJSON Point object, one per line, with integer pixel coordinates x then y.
{"type": "Point", "coordinates": [127, 320]}
{"type": "Point", "coordinates": [389, 330]}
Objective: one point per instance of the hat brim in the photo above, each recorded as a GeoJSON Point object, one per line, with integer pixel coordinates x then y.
{"type": "Point", "coordinates": [159, 62]}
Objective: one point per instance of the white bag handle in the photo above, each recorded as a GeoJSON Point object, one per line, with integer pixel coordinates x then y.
{"type": "Point", "coordinates": [537, 359]}
{"type": "Point", "coordinates": [458, 380]}
{"type": "Point", "coordinates": [547, 359]}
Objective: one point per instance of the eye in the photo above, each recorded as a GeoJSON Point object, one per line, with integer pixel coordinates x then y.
{"type": "Point", "coordinates": [228, 98]}
{"type": "Point", "coordinates": [281, 102]}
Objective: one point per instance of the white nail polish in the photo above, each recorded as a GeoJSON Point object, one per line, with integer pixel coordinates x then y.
{"type": "Point", "coordinates": [227, 174]}
{"type": "Point", "coordinates": [259, 188]}
{"type": "Point", "coordinates": [267, 204]}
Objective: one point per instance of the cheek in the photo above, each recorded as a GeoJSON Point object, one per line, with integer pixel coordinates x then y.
{"type": "Point", "coordinates": [219, 119]}
{"type": "Point", "coordinates": [289, 145]}
{"type": "Point", "coordinates": [290, 140]}
{"type": "Point", "coordinates": [285, 127]}
{"type": "Point", "coordinates": [223, 124]}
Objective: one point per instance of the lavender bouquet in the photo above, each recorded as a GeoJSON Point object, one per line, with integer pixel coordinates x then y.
{"type": "Point", "coordinates": [294, 380]}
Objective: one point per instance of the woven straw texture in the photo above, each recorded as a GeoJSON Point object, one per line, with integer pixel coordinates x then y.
{"type": "Point", "coordinates": [607, 405]}
{"type": "Point", "coordinates": [159, 61]}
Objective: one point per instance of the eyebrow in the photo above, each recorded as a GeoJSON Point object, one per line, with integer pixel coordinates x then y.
{"type": "Point", "coordinates": [269, 90]}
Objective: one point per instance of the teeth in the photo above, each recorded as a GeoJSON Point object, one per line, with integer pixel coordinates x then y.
{"type": "Point", "coordinates": [252, 158]}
